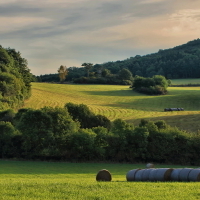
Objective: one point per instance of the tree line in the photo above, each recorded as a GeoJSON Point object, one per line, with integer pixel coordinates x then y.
{"type": "Point", "coordinates": [179, 62]}
{"type": "Point", "coordinates": [15, 79]}
{"type": "Point", "coordinates": [74, 133]}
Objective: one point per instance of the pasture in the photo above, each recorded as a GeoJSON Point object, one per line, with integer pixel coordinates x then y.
{"type": "Point", "coordinates": [53, 180]}
{"type": "Point", "coordinates": [186, 81]}
{"type": "Point", "coordinates": [116, 101]}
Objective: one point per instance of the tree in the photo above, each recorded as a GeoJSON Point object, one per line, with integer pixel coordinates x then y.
{"type": "Point", "coordinates": [125, 74]}
{"type": "Point", "coordinates": [36, 129]}
{"type": "Point", "coordinates": [87, 66]}
{"type": "Point", "coordinates": [62, 73]}
{"type": "Point", "coordinates": [7, 132]}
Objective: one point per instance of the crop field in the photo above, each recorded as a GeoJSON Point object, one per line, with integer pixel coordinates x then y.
{"type": "Point", "coordinates": [58, 180]}
{"type": "Point", "coordinates": [116, 101]}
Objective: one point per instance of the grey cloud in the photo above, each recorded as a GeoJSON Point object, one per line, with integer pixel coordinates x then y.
{"type": "Point", "coordinates": [11, 10]}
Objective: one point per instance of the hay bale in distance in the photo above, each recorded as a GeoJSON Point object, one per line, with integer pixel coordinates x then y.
{"type": "Point", "coordinates": [163, 174]}
{"type": "Point", "coordinates": [194, 175]}
{"type": "Point", "coordinates": [175, 174]}
{"type": "Point", "coordinates": [103, 175]}
{"type": "Point", "coordinates": [150, 165]}
{"type": "Point", "coordinates": [183, 175]}
{"type": "Point", "coordinates": [130, 176]}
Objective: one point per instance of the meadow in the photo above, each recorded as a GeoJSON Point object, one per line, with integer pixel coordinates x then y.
{"type": "Point", "coordinates": [116, 101]}
{"type": "Point", "coordinates": [58, 180]}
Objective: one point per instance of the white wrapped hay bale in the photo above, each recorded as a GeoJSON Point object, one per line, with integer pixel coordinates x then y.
{"type": "Point", "coordinates": [145, 174]}
{"type": "Point", "coordinates": [130, 176]}
{"type": "Point", "coordinates": [163, 174]}
{"type": "Point", "coordinates": [175, 174]}
{"type": "Point", "coordinates": [150, 165]}
{"type": "Point", "coordinates": [183, 175]}
{"type": "Point", "coordinates": [152, 174]}
{"type": "Point", "coordinates": [138, 175]}
{"type": "Point", "coordinates": [194, 175]}
{"type": "Point", "coordinates": [103, 175]}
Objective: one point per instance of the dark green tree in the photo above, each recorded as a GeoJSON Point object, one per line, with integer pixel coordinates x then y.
{"type": "Point", "coordinates": [88, 67]}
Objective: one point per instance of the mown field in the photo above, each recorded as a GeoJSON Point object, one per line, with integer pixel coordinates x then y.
{"type": "Point", "coordinates": [115, 101]}
{"type": "Point", "coordinates": [185, 81]}
{"type": "Point", "coordinates": [27, 180]}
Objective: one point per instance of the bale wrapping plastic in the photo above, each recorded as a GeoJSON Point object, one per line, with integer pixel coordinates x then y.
{"type": "Point", "coordinates": [183, 175]}
{"type": "Point", "coordinates": [163, 174]}
{"type": "Point", "coordinates": [138, 175]}
{"type": "Point", "coordinates": [150, 165]}
{"type": "Point", "coordinates": [194, 175]}
{"type": "Point", "coordinates": [103, 175]}
{"type": "Point", "coordinates": [145, 174]}
{"type": "Point", "coordinates": [175, 174]}
{"type": "Point", "coordinates": [130, 176]}
{"type": "Point", "coordinates": [152, 174]}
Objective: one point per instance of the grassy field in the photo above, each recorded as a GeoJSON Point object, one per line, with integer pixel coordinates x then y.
{"type": "Point", "coordinates": [115, 101]}
{"type": "Point", "coordinates": [185, 81]}
{"type": "Point", "coordinates": [26, 180]}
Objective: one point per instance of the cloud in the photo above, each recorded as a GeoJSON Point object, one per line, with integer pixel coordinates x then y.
{"type": "Point", "coordinates": [52, 32]}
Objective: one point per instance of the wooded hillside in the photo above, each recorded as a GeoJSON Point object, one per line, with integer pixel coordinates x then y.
{"type": "Point", "coordinates": [179, 62]}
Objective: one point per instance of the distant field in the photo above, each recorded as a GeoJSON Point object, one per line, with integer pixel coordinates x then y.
{"type": "Point", "coordinates": [26, 180]}
{"type": "Point", "coordinates": [116, 101]}
{"type": "Point", "coordinates": [185, 81]}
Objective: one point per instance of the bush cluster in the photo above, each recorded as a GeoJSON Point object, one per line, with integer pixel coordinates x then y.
{"type": "Point", "coordinates": [157, 85]}
{"type": "Point", "coordinates": [74, 134]}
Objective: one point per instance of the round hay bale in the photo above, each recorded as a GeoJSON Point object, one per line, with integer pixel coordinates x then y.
{"type": "Point", "coordinates": [163, 174]}
{"type": "Point", "coordinates": [145, 174]}
{"type": "Point", "coordinates": [130, 176]}
{"type": "Point", "coordinates": [183, 175]}
{"type": "Point", "coordinates": [194, 175]}
{"type": "Point", "coordinates": [150, 165]}
{"type": "Point", "coordinates": [103, 175]}
{"type": "Point", "coordinates": [175, 174]}
{"type": "Point", "coordinates": [138, 175]}
{"type": "Point", "coordinates": [152, 175]}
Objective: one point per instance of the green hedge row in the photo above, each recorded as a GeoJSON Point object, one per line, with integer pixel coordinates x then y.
{"type": "Point", "coordinates": [56, 134]}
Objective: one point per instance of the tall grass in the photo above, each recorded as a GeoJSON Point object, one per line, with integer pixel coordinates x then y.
{"type": "Point", "coordinates": [116, 101]}
{"type": "Point", "coordinates": [49, 180]}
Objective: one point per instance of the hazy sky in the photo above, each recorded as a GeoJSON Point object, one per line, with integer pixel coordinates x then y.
{"type": "Point", "coordinates": [50, 33]}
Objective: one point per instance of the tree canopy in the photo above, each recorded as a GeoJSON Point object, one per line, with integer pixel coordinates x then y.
{"type": "Point", "coordinates": [15, 79]}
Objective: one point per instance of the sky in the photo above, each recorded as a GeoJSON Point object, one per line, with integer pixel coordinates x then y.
{"type": "Point", "coordinates": [50, 33]}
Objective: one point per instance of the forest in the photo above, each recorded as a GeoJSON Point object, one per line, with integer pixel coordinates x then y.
{"type": "Point", "coordinates": [174, 63]}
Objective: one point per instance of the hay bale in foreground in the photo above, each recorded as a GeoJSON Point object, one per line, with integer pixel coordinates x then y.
{"type": "Point", "coordinates": [183, 175]}
{"type": "Point", "coordinates": [139, 174]}
{"type": "Point", "coordinates": [150, 165]}
{"type": "Point", "coordinates": [130, 176]}
{"type": "Point", "coordinates": [152, 174]}
{"type": "Point", "coordinates": [175, 174]}
{"type": "Point", "coordinates": [163, 174]}
{"type": "Point", "coordinates": [103, 175]}
{"type": "Point", "coordinates": [145, 174]}
{"type": "Point", "coordinates": [194, 175]}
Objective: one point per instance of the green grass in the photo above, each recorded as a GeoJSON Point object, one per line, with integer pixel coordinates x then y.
{"type": "Point", "coordinates": [116, 101]}
{"type": "Point", "coordinates": [185, 81]}
{"type": "Point", "coordinates": [52, 180]}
